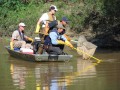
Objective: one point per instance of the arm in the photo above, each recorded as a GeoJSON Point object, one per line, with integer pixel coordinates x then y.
{"type": "Point", "coordinates": [63, 37]}
{"type": "Point", "coordinates": [43, 18]}
{"type": "Point", "coordinates": [11, 44]}
{"type": "Point", "coordinates": [67, 37]}
{"type": "Point", "coordinates": [67, 43]}
{"type": "Point", "coordinates": [38, 26]}
{"type": "Point", "coordinates": [53, 37]}
{"type": "Point", "coordinates": [14, 35]}
{"type": "Point", "coordinates": [28, 38]}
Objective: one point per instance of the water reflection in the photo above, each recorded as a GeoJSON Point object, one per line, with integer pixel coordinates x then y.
{"type": "Point", "coordinates": [42, 76]}
{"type": "Point", "coordinates": [18, 75]}
{"type": "Point", "coordinates": [49, 76]}
{"type": "Point", "coordinates": [74, 75]}
{"type": "Point", "coordinates": [85, 69]}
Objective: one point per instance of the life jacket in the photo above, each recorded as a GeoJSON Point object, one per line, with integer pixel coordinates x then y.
{"type": "Point", "coordinates": [51, 17]}
{"type": "Point", "coordinates": [48, 39]}
{"type": "Point", "coordinates": [46, 29]}
{"type": "Point", "coordinates": [53, 24]}
{"type": "Point", "coordinates": [22, 36]}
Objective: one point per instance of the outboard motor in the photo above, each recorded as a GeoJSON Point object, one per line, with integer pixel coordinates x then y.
{"type": "Point", "coordinates": [36, 44]}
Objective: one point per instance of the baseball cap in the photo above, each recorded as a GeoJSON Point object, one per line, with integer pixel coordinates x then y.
{"type": "Point", "coordinates": [60, 26]}
{"type": "Point", "coordinates": [65, 19]}
{"type": "Point", "coordinates": [53, 7]}
{"type": "Point", "coordinates": [22, 24]}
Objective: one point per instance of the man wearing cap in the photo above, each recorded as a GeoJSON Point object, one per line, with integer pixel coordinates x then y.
{"type": "Point", "coordinates": [55, 39]}
{"type": "Point", "coordinates": [45, 19]}
{"type": "Point", "coordinates": [18, 39]}
{"type": "Point", "coordinates": [64, 21]}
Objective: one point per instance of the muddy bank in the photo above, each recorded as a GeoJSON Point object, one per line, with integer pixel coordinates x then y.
{"type": "Point", "coordinates": [102, 41]}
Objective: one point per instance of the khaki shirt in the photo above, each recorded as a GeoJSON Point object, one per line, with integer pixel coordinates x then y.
{"type": "Point", "coordinates": [16, 36]}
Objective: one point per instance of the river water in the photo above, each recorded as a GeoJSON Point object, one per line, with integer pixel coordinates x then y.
{"type": "Point", "coordinates": [76, 74]}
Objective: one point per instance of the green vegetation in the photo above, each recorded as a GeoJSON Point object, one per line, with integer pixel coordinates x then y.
{"type": "Point", "coordinates": [29, 11]}
{"type": "Point", "coordinates": [102, 16]}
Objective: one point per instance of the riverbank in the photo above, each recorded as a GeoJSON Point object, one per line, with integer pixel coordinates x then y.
{"type": "Point", "coordinates": [93, 19]}
{"type": "Point", "coordinates": [74, 39]}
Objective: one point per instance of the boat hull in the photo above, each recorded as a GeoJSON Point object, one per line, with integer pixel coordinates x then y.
{"type": "Point", "coordinates": [38, 57]}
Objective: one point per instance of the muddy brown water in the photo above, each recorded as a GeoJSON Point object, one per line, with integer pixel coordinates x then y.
{"type": "Point", "coordinates": [76, 74]}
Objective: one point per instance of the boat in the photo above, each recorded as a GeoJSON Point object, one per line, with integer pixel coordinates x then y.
{"type": "Point", "coordinates": [38, 57]}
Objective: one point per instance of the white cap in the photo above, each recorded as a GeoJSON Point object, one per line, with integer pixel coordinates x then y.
{"type": "Point", "coordinates": [22, 24]}
{"type": "Point", "coordinates": [53, 7]}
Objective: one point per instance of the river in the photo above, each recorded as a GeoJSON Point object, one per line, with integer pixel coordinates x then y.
{"type": "Point", "coordinates": [76, 74]}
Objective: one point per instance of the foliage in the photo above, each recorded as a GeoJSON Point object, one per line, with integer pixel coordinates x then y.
{"type": "Point", "coordinates": [102, 15]}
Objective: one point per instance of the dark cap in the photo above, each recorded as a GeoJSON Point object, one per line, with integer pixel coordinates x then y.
{"type": "Point", "coordinates": [65, 19]}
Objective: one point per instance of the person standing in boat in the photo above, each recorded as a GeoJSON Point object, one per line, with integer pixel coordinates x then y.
{"type": "Point", "coordinates": [42, 27]}
{"type": "Point", "coordinates": [18, 39]}
{"type": "Point", "coordinates": [44, 20]}
{"type": "Point", "coordinates": [55, 41]}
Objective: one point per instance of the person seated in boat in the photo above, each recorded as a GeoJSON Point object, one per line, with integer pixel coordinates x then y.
{"type": "Point", "coordinates": [64, 21]}
{"type": "Point", "coordinates": [18, 39]}
{"type": "Point", "coordinates": [55, 41]}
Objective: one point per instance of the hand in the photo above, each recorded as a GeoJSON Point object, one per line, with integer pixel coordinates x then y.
{"type": "Point", "coordinates": [11, 46]}
{"type": "Point", "coordinates": [37, 29]}
{"type": "Point", "coordinates": [36, 32]}
{"type": "Point", "coordinates": [30, 39]}
{"type": "Point", "coordinates": [67, 37]}
{"type": "Point", "coordinates": [69, 44]}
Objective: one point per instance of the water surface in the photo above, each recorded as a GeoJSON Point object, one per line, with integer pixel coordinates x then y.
{"type": "Point", "coordinates": [77, 74]}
